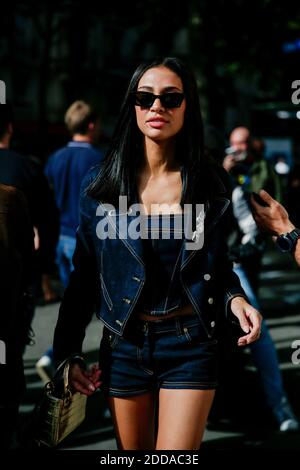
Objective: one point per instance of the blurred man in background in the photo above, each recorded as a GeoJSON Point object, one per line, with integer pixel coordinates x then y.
{"type": "Point", "coordinates": [245, 242]}
{"type": "Point", "coordinates": [251, 172]}
{"type": "Point", "coordinates": [65, 171]}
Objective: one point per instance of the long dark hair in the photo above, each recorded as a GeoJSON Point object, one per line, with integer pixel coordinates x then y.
{"type": "Point", "coordinates": [118, 171]}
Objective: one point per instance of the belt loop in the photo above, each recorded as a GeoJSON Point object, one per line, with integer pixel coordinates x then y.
{"type": "Point", "coordinates": [145, 327]}
{"type": "Point", "coordinates": [178, 326]}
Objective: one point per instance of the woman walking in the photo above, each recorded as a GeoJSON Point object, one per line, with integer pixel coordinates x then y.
{"type": "Point", "coordinates": [159, 294]}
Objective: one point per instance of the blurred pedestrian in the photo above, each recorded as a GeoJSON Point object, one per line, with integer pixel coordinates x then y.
{"type": "Point", "coordinates": [244, 242]}
{"type": "Point", "coordinates": [159, 298]}
{"type": "Point", "coordinates": [24, 173]}
{"type": "Point", "coordinates": [25, 202]}
{"type": "Point", "coordinates": [65, 171]}
{"type": "Point", "coordinates": [252, 172]}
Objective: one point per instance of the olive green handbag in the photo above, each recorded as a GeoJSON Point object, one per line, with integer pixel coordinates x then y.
{"type": "Point", "coordinates": [60, 410]}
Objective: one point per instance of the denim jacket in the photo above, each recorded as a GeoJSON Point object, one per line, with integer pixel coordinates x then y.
{"type": "Point", "coordinates": [109, 274]}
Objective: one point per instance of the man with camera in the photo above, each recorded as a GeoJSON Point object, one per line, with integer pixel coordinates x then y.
{"type": "Point", "coordinates": [250, 172]}
{"type": "Point", "coordinates": [245, 158]}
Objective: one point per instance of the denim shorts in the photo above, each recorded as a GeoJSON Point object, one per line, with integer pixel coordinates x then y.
{"type": "Point", "coordinates": [172, 353]}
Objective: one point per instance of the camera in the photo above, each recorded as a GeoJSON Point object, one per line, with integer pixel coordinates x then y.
{"type": "Point", "coordinates": [239, 155]}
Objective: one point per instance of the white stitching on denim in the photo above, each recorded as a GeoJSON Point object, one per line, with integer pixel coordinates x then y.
{"type": "Point", "coordinates": [139, 361]}
{"type": "Point", "coordinates": [172, 277]}
{"type": "Point", "coordinates": [172, 330]}
{"type": "Point", "coordinates": [125, 242]}
{"type": "Point", "coordinates": [178, 327]}
{"type": "Point", "coordinates": [165, 382]}
{"type": "Point", "coordinates": [122, 390]}
{"type": "Point", "coordinates": [187, 334]}
{"type": "Point", "coordinates": [195, 307]}
{"type": "Point", "coordinates": [105, 293]}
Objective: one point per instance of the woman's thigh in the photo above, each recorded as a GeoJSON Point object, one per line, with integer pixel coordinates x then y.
{"type": "Point", "coordinates": [182, 418]}
{"type": "Point", "coordinates": [134, 421]}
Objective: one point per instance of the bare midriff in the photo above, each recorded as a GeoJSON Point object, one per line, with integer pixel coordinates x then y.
{"type": "Point", "coordinates": [185, 310]}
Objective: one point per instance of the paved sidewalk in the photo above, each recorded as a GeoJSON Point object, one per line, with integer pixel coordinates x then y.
{"type": "Point", "coordinates": [244, 423]}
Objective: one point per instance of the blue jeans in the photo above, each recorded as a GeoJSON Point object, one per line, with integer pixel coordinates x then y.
{"type": "Point", "coordinates": [263, 351]}
{"type": "Point", "coordinates": [64, 254]}
{"type": "Point", "coordinates": [172, 353]}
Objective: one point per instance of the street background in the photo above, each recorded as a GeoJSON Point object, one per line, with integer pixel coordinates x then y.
{"type": "Point", "coordinates": [245, 56]}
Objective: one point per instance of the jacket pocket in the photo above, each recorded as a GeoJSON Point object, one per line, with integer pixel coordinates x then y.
{"type": "Point", "coordinates": [105, 293]}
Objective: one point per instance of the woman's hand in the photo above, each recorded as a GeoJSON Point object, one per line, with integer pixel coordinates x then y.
{"type": "Point", "coordinates": [250, 320]}
{"type": "Point", "coordinates": [84, 381]}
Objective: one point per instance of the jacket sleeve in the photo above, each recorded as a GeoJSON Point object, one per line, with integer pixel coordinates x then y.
{"type": "Point", "coordinates": [232, 286]}
{"type": "Point", "coordinates": [80, 297]}
{"type": "Point", "coordinates": [230, 281]}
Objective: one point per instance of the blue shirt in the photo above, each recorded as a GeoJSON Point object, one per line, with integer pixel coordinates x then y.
{"type": "Point", "coordinates": [65, 171]}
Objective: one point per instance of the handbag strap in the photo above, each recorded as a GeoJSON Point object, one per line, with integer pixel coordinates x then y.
{"type": "Point", "coordinates": [66, 369]}
{"type": "Point", "coordinates": [66, 376]}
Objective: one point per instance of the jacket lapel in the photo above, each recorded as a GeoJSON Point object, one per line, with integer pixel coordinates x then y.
{"type": "Point", "coordinates": [212, 214]}
{"type": "Point", "coordinates": [213, 211]}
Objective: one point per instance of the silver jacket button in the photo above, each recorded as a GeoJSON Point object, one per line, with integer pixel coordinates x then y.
{"type": "Point", "coordinates": [210, 300]}
{"type": "Point", "coordinates": [213, 323]}
{"type": "Point", "coordinates": [207, 277]}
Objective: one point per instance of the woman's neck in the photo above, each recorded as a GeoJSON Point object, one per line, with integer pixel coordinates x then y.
{"type": "Point", "coordinates": [159, 157]}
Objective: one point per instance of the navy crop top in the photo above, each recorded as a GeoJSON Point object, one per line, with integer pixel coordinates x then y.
{"type": "Point", "coordinates": [162, 237]}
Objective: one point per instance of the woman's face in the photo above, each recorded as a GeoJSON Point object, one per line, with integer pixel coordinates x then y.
{"type": "Point", "coordinates": [157, 122]}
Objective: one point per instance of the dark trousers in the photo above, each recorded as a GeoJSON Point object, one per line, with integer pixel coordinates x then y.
{"type": "Point", "coordinates": [8, 424]}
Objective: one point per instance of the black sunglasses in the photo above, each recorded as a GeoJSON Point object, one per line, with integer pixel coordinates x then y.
{"type": "Point", "coordinates": [146, 99]}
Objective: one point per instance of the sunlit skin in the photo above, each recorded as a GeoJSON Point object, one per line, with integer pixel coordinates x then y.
{"type": "Point", "coordinates": [159, 178]}
{"type": "Point", "coordinates": [160, 80]}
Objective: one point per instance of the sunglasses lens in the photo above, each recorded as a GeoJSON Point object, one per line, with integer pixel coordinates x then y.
{"type": "Point", "coordinates": [144, 99]}
{"type": "Point", "coordinates": [168, 100]}
{"type": "Point", "coordinates": [172, 100]}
